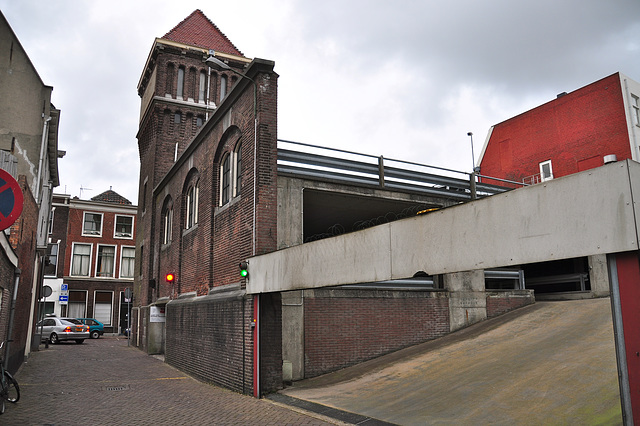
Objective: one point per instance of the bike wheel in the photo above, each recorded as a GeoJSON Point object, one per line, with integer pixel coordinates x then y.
{"type": "Point", "coordinates": [13, 390]}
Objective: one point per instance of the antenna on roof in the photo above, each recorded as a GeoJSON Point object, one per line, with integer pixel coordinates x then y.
{"type": "Point", "coordinates": [84, 189]}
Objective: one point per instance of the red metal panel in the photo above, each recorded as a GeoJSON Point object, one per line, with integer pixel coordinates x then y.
{"type": "Point", "coordinates": [629, 286]}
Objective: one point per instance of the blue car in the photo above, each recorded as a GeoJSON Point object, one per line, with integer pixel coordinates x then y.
{"type": "Point", "coordinates": [96, 328]}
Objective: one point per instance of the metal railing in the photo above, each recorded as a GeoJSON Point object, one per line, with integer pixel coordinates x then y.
{"type": "Point", "coordinates": [320, 163]}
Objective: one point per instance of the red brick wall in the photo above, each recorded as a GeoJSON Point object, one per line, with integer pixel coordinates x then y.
{"type": "Point", "coordinates": [501, 302]}
{"type": "Point", "coordinates": [356, 326]}
{"type": "Point", "coordinates": [574, 131]}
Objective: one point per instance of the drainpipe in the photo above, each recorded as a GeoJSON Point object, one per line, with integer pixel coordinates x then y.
{"type": "Point", "coordinates": [43, 146]}
{"type": "Point", "coordinates": [16, 274]}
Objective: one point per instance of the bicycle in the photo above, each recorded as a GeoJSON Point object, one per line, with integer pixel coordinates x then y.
{"type": "Point", "coordinates": [9, 389]}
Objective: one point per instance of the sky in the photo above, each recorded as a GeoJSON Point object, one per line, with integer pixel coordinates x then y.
{"type": "Point", "coordinates": [405, 79]}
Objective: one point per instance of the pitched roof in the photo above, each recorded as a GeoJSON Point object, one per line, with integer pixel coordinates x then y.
{"type": "Point", "coordinates": [197, 30]}
{"type": "Point", "coordinates": [111, 197]}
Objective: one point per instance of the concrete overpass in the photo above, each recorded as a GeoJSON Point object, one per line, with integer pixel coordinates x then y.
{"type": "Point", "coordinates": [593, 213]}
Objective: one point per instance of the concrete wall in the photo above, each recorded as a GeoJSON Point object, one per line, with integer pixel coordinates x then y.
{"type": "Point", "coordinates": [584, 214]}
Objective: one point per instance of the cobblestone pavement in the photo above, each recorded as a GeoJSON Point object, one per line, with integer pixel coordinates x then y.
{"type": "Point", "coordinates": [106, 382]}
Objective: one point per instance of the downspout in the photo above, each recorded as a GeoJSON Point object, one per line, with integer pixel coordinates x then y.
{"type": "Point", "coordinates": [208, 94]}
{"type": "Point", "coordinates": [16, 274]}
{"type": "Point", "coordinates": [41, 161]}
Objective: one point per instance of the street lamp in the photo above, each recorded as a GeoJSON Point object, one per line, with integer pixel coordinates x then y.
{"type": "Point", "coordinates": [218, 65]}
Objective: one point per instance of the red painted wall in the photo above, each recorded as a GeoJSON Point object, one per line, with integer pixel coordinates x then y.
{"type": "Point", "coordinates": [574, 131]}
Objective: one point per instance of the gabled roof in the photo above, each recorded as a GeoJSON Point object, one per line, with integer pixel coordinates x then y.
{"type": "Point", "coordinates": [111, 197]}
{"type": "Point", "coordinates": [197, 30]}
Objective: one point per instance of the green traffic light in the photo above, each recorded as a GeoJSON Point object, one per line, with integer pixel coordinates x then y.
{"type": "Point", "coordinates": [244, 272]}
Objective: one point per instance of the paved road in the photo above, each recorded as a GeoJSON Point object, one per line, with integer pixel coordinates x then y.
{"type": "Point", "coordinates": [551, 363]}
{"type": "Point", "coordinates": [104, 382]}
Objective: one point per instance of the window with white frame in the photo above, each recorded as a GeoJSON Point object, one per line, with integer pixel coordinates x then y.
{"type": "Point", "coordinates": [225, 180]}
{"type": "Point", "coordinates": [223, 87]}
{"type": "Point", "coordinates": [127, 262]}
{"type": "Point", "coordinates": [51, 263]}
{"type": "Point", "coordinates": [167, 222]}
{"type": "Point", "coordinates": [123, 227]}
{"type": "Point", "coordinates": [103, 306]}
{"type": "Point", "coordinates": [237, 170]}
{"type": "Point", "coordinates": [105, 263]}
{"type": "Point", "coordinates": [53, 210]}
{"type": "Point", "coordinates": [192, 206]}
{"type": "Point", "coordinates": [546, 172]}
{"type": "Point", "coordinates": [92, 224]}
{"type": "Point", "coordinates": [80, 260]}
{"type": "Point", "coordinates": [635, 105]}
{"type": "Point", "coordinates": [202, 87]}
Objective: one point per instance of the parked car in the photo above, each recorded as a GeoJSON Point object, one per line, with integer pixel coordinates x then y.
{"type": "Point", "coordinates": [96, 328]}
{"type": "Point", "coordinates": [57, 329]}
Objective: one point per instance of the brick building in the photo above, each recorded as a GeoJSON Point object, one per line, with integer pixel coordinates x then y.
{"type": "Point", "coordinates": [216, 188]}
{"type": "Point", "coordinates": [29, 152]}
{"type": "Point", "coordinates": [91, 258]}
{"type": "Point", "coordinates": [569, 134]}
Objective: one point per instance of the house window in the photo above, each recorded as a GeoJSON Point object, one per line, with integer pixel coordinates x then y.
{"type": "Point", "coordinates": [180, 82]}
{"type": "Point", "coordinates": [225, 179]}
{"type": "Point", "coordinates": [80, 260]}
{"type": "Point", "coordinates": [92, 224]}
{"type": "Point", "coordinates": [127, 262]}
{"type": "Point", "coordinates": [546, 172]}
{"type": "Point", "coordinates": [192, 206]}
{"type": "Point", "coordinates": [51, 263]}
{"type": "Point", "coordinates": [198, 121]}
{"type": "Point", "coordinates": [144, 196]}
{"type": "Point", "coordinates": [124, 227]}
{"type": "Point", "coordinates": [53, 210]}
{"type": "Point", "coordinates": [635, 104]}
{"type": "Point", "coordinates": [201, 87]}
{"type": "Point", "coordinates": [103, 304]}
{"type": "Point", "coordinates": [105, 266]}
{"type": "Point", "coordinates": [223, 87]}
{"type": "Point", "coordinates": [167, 223]}
{"type": "Point", "coordinates": [237, 170]}
{"type": "Point", "coordinates": [177, 118]}
{"type": "Point", "coordinates": [77, 307]}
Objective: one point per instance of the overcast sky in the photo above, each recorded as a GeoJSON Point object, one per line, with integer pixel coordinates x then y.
{"type": "Point", "coordinates": [403, 79]}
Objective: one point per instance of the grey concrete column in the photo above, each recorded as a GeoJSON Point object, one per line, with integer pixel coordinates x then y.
{"type": "Point", "coordinates": [599, 275]}
{"type": "Point", "coordinates": [467, 298]}
{"type": "Point", "coordinates": [293, 335]}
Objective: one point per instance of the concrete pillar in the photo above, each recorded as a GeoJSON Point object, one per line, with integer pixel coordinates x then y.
{"type": "Point", "coordinates": [293, 335]}
{"type": "Point", "coordinates": [467, 298]}
{"type": "Point", "coordinates": [599, 275]}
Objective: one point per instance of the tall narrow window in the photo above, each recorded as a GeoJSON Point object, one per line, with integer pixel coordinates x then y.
{"type": "Point", "coordinates": [223, 87]}
{"type": "Point", "coordinates": [635, 104]}
{"type": "Point", "coordinates": [191, 87]}
{"type": "Point", "coordinates": [192, 206]}
{"type": "Point", "coordinates": [238, 170]}
{"type": "Point", "coordinates": [225, 179]}
{"type": "Point", "coordinates": [169, 82]}
{"type": "Point", "coordinates": [53, 210]}
{"type": "Point", "coordinates": [180, 82]}
{"type": "Point", "coordinates": [127, 262]}
{"type": "Point", "coordinates": [80, 260]}
{"type": "Point", "coordinates": [105, 265]}
{"type": "Point", "coordinates": [202, 87]}
{"type": "Point", "coordinates": [546, 172]}
{"type": "Point", "coordinates": [102, 311]}
{"type": "Point", "coordinates": [167, 222]}
{"type": "Point", "coordinates": [144, 196]}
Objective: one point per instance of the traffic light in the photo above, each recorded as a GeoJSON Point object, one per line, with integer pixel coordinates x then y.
{"type": "Point", "coordinates": [170, 277]}
{"type": "Point", "coordinates": [244, 269]}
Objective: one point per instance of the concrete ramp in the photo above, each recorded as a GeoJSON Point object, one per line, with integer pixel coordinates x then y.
{"type": "Point", "coordinates": [550, 363]}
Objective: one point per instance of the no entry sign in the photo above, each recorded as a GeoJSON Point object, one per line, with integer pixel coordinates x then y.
{"type": "Point", "coordinates": [10, 200]}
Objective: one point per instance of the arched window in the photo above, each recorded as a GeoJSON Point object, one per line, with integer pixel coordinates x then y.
{"type": "Point", "coordinates": [192, 206]}
{"type": "Point", "coordinates": [180, 93]}
{"type": "Point", "coordinates": [225, 180]}
{"type": "Point", "coordinates": [169, 82]}
{"type": "Point", "coordinates": [167, 222]}
{"type": "Point", "coordinates": [191, 87]}
{"type": "Point", "coordinates": [202, 87]}
{"type": "Point", "coordinates": [223, 87]}
{"type": "Point", "coordinates": [237, 170]}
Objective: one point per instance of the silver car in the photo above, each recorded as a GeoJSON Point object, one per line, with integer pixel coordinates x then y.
{"type": "Point", "coordinates": [55, 329]}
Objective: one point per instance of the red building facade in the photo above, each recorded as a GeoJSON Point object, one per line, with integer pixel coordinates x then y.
{"type": "Point", "coordinates": [572, 133]}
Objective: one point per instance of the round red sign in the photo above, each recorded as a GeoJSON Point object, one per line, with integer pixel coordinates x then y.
{"type": "Point", "coordinates": [11, 200]}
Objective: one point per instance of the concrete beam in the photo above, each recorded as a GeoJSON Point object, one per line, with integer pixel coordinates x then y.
{"type": "Point", "coordinates": [585, 214]}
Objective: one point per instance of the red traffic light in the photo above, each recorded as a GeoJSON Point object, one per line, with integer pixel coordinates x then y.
{"type": "Point", "coordinates": [170, 277]}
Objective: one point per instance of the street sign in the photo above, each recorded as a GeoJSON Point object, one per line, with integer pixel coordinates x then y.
{"type": "Point", "coordinates": [63, 298]}
{"type": "Point", "coordinates": [46, 291]}
{"type": "Point", "coordinates": [64, 287]}
{"type": "Point", "coordinates": [11, 200]}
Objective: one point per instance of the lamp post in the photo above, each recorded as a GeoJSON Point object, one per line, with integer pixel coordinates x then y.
{"type": "Point", "coordinates": [218, 65]}
{"type": "Point", "coordinates": [473, 170]}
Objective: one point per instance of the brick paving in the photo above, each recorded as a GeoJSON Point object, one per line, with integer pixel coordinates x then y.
{"type": "Point", "coordinates": [106, 382]}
